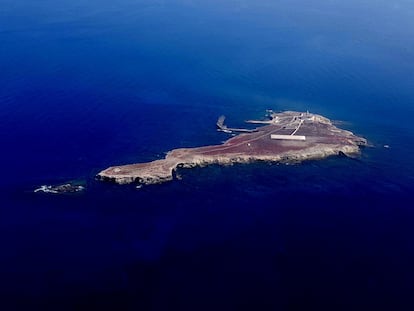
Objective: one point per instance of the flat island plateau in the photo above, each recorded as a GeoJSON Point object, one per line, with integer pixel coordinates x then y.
{"type": "Point", "coordinates": [286, 137]}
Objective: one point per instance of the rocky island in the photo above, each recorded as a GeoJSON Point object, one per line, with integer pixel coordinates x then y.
{"type": "Point", "coordinates": [60, 189]}
{"type": "Point", "coordinates": [286, 137]}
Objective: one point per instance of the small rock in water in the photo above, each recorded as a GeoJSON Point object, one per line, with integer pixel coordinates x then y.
{"type": "Point", "coordinates": [65, 188]}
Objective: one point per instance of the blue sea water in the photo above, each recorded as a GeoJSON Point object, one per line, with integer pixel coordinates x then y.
{"type": "Point", "coordinates": [89, 84]}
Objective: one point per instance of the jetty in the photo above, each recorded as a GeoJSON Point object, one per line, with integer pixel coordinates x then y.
{"type": "Point", "coordinates": [222, 127]}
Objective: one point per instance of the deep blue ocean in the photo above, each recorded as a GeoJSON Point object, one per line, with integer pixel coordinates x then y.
{"type": "Point", "coordinates": [89, 84]}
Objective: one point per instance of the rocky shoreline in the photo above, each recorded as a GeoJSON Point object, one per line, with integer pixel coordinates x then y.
{"type": "Point", "coordinates": [323, 140]}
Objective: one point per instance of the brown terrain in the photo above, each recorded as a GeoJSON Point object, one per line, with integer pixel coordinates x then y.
{"type": "Point", "coordinates": [305, 136]}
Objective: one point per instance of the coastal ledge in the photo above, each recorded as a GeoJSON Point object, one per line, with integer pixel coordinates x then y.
{"type": "Point", "coordinates": [286, 137]}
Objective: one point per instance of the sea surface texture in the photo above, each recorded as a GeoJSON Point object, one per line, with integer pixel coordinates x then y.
{"type": "Point", "coordinates": [89, 84]}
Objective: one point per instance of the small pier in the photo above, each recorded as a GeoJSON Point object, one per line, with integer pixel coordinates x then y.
{"type": "Point", "coordinates": [222, 127]}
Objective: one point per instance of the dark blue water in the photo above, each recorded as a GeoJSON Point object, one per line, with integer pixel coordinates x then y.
{"type": "Point", "coordinates": [89, 84]}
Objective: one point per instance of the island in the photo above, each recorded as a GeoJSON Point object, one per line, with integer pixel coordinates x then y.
{"type": "Point", "coordinates": [60, 189]}
{"type": "Point", "coordinates": [284, 137]}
